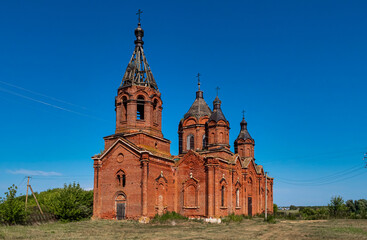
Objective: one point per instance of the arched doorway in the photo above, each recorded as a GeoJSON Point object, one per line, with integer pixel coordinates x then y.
{"type": "Point", "coordinates": [120, 202]}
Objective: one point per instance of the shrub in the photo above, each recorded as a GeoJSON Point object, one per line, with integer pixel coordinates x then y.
{"type": "Point", "coordinates": [168, 216]}
{"type": "Point", "coordinates": [275, 209]}
{"type": "Point", "coordinates": [11, 208]}
{"type": "Point", "coordinates": [70, 203]}
{"type": "Point", "coordinates": [271, 219]}
{"type": "Point", "coordinates": [234, 218]}
{"type": "Point", "coordinates": [292, 207]}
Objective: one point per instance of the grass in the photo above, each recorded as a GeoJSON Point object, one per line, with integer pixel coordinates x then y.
{"type": "Point", "coordinates": [255, 228]}
{"type": "Point", "coordinates": [352, 230]}
{"type": "Point", "coordinates": [168, 216]}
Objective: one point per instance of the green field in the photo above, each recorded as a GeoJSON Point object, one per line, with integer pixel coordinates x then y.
{"type": "Point", "coordinates": [248, 229]}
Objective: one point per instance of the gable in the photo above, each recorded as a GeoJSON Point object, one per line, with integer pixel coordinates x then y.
{"type": "Point", "coordinates": [121, 144]}
{"type": "Point", "coordinates": [192, 159]}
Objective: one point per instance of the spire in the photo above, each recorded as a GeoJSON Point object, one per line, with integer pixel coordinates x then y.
{"type": "Point", "coordinates": [138, 71]}
{"type": "Point", "coordinates": [199, 93]}
{"type": "Point", "coordinates": [244, 134]}
{"type": "Point", "coordinates": [199, 108]}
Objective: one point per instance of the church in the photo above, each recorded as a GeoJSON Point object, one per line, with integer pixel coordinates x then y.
{"type": "Point", "coordinates": [136, 176]}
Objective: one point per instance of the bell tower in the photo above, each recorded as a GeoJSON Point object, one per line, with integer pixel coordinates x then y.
{"type": "Point", "coordinates": [138, 102]}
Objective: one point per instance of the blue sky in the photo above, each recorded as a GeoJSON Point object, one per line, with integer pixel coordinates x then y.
{"type": "Point", "coordinates": [298, 68]}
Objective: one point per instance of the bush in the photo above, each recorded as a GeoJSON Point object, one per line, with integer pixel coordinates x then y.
{"type": "Point", "coordinates": [271, 219]}
{"type": "Point", "coordinates": [70, 203]}
{"type": "Point", "coordinates": [12, 210]}
{"type": "Point", "coordinates": [234, 218]}
{"type": "Point", "coordinates": [168, 216]}
{"type": "Point", "coordinates": [292, 207]}
{"type": "Point", "coordinates": [275, 209]}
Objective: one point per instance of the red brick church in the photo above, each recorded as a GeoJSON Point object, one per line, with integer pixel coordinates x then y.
{"type": "Point", "coordinates": [136, 175]}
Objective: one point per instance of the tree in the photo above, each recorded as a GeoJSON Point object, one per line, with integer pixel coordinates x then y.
{"type": "Point", "coordinates": [351, 206]}
{"type": "Point", "coordinates": [361, 206]}
{"type": "Point", "coordinates": [275, 209]}
{"type": "Point", "coordinates": [337, 207]}
{"type": "Point", "coordinates": [292, 207]}
{"type": "Point", "coordinates": [12, 209]}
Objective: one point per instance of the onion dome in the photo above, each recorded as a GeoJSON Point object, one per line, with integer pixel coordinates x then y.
{"type": "Point", "coordinates": [217, 111]}
{"type": "Point", "coordinates": [244, 134]}
{"type": "Point", "coordinates": [199, 108]}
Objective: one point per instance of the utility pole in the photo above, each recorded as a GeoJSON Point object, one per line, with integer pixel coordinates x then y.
{"type": "Point", "coordinates": [266, 195]}
{"type": "Point", "coordinates": [35, 198]}
{"type": "Point", "coordinates": [26, 196]}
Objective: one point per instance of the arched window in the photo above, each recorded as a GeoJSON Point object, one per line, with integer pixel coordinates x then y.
{"type": "Point", "coordinates": [140, 108]}
{"type": "Point", "coordinates": [237, 197]}
{"type": "Point", "coordinates": [121, 178]}
{"type": "Point", "coordinates": [221, 138]}
{"type": "Point", "coordinates": [204, 141]}
{"type": "Point", "coordinates": [222, 196]}
{"type": "Point", "coordinates": [124, 108]}
{"type": "Point", "coordinates": [190, 142]}
{"type": "Point", "coordinates": [155, 111]}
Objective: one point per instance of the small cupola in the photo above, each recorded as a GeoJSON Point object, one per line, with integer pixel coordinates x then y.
{"type": "Point", "coordinates": [218, 128]}
{"type": "Point", "coordinates": [199, 108]}
{"type": "Point", "coordinates": [244, 143]}
{"type": "Point", "coordinates": [244, 134]}
{"type": "Point", "coordinates": [217, 114]}
{"type": "Point", "coordinates": [191, 129]}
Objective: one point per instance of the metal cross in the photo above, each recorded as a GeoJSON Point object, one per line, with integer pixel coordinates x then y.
{"type": "Point", "coordinates": [243, 114]}
{"type": "Point", "coordinates": [198, 76]}
{"type": "Point", "coordinates": [138, 13]}
{"type": "Point", "coordinates": [217, 90]}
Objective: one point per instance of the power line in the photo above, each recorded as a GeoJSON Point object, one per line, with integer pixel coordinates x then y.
{"type": "Point", "coordinates": [43, 95]}
{"type": "Point", "coordinates": [329, 181]}
{"type": "Point", "coordinates": [50, 105]}
{"type": "Point", "coordinates": [334, 175]}
{"type": "Point", "coordinates": [345, 152]}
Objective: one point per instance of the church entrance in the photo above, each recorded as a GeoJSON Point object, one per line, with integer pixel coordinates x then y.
{"type": "Point", "coordinates": [249, 206]}
{"type": "Point", "coordinates": [120, 207]}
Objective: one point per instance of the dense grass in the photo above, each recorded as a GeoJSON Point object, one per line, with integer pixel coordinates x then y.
{"type": "Point", "coordinates": [167, 217]}
{"type": "Point", "coordinates": [234, 218]}
{"type": "Point", "coordinates": [255, 228]}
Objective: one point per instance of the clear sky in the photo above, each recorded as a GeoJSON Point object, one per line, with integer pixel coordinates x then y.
{"type": "Point", "coordinates": [298, 68]}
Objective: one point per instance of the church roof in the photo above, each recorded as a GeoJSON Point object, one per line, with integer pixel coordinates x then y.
{"type": "Point", "coordinates": [244, 134]}
{"type": "Point", "coordinates": [199, 108]}
{"type": "Point", "coordinates": [138, 71]}
{"type": "Point", "coordinates": [217, 111]}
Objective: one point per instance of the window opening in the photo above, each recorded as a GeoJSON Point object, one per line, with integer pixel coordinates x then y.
{"type": "Point", "coordinates": [121, 178]}
{"type": "Point", "coordinates": [237, 197]}
{"type": "Point", "coordinates": [140, 108]}
{"type": "Point", "coordinates": [204, 141]}
{"type": "Point", "coordinates": [190, 142]}
{"type": "Point", "coordinates": [222, 198]}
{"type": "Point", "coordinates": [155, 110]}
{"type": "Point", "coordinates": [124, 104]}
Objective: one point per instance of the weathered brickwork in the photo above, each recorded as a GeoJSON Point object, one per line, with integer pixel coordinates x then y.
{"type": "Point", "coordinates": [137, 176]}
